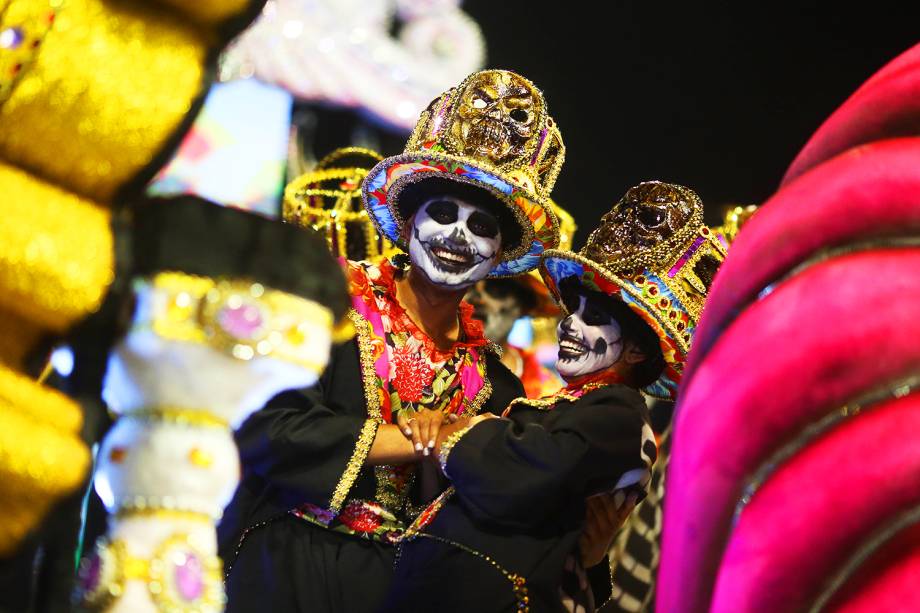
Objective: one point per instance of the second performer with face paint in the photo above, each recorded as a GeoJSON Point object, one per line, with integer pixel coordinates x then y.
{"type": "Point", "coordinates": [509, 534]}
{"type": "Point", "coordinates": [334, 474]}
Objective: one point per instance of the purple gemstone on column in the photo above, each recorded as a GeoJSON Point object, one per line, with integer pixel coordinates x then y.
{"type": "Point", "coordinates": [189, 579]}
{"type": "Point", "coordinates": [11, 38]}
{"type": "Point", "coordinates": [89, 573]}
{"type": "Point", "coordinates": [243, 321]}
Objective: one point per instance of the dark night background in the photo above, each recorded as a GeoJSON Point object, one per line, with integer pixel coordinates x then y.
{"type": "Point", "coordinates": [716, 96]}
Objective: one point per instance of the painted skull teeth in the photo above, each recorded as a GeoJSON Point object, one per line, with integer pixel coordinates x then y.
{"type": "Point", "coordinates": [570, 347]}
{"type": "Point", "coordinates": [454, 257]}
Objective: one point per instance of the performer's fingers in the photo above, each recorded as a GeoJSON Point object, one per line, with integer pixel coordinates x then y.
{"type": "Point", "coordinates": [403, 422]}
{"type": "Point", "coordinates": [416, 435]}
{"type": "Point", "coordinates": [628, 507]}
{"type": "Point", "coordinates": [592, 521]}
{"type": "Point", "coordinates": [609, 510]}
{"type": "Point", "coordinates": [425, 433]}
{"type": "Point", "coordinates": [453, 417]}
{"type": "Point", "coordinates": [434, 426]}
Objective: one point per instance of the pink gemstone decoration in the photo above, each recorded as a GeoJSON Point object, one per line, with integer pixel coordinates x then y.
{"type": "Point", "coordinates": [244, 321]}
{"type": "Point", "coordinates": [89, 574]}
{"type": "Point", "coordinates": [189, 576]}
{"type": "Point", "coordinates": [11, 38]}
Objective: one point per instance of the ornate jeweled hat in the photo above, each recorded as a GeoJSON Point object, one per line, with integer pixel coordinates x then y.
{"type": "Point", "coordinates": [328, 199]}
{"type": "Point", "coordinates": [654, 252]}
{"type": "Point", "coordinates": [492, 131]}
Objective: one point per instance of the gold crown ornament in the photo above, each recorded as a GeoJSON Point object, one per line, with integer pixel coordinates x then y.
{"type": "Point", "coordinates": [653, 251]}
{"type": "Point", "coordinates": [492, 131]}
{"type": "Point", "coordinates": [328, 199]}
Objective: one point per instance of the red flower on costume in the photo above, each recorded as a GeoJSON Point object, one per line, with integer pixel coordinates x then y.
{"type": "Point", "coordinates": [413, 374]}
{"type": "Point", "coordinates": [360, 516]}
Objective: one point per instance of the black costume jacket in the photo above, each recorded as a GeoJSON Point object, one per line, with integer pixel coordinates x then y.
{"type": "Point", "coordinates": [519, 503]}
{"type": "Point", "coordinates": [300, 449]}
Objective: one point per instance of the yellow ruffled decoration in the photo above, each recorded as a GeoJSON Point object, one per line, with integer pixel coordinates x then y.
{"type": "Point", "coordinates": [57, 258]}
{"type": "Point", "coordinates": [41, 454]}
{"type": "Point", "coordinates": [109, 85]}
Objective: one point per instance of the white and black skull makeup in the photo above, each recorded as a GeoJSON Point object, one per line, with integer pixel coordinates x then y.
{"type": "Point", "coordinates": [453, 242]}
{"type": "Point", "coordinates": [590, 340]}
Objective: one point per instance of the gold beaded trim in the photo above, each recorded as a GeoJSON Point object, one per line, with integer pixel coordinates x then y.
{"type": "Point", "coordinates": [116, 566]}
{"type": "Point", "coordinates": [366, 357]}
{"type": "Point", "coordinates": [355, 464]}
{"type": "Point", "coordinates": [241, 318]}
{"type": "Point", "coordinates": [548, 402]}
{"type": "Point", "coordinates": [447, 446]}
{"type": "Point", "coordinates": [518, 582]}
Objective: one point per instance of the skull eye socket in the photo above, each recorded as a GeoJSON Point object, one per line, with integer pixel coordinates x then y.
{"type": "Point", "coordinates": [479, 103]}
{"type": "Point", "coordinates": [651, 217]}
{"type": "Point", "coordinates": [571, 301]}
{"type": "Point", "coordinates": [442, 211]}
{"type": "Point", "coordinates": [519, 115]}
{"type": "Point", "coordinates": [594, 315]}
{"type": "Point", "coordinates": [483, 224]}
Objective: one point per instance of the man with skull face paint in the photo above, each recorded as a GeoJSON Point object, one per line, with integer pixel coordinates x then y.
{"type": "Point", "coordinates": [519, 484]}
{"type": "Point", "coordinates": [334, 474]}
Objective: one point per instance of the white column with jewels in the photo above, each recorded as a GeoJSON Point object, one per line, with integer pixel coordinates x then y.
{"type": "Point", "coordinates": [200, 356]}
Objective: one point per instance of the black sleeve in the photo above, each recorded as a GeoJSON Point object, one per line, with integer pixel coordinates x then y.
{"type": "Point", "coordinates": [505, 386]}
{"type": "Point", "coordinates": [310, 442]}
{"type": "Point", "coordinates": [518, 474]}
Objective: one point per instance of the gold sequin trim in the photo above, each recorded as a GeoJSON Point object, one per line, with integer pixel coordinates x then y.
{"type": "Point", "coordinates": [447, 446]}
{"type": "Point", "coordinates": [355, 464]}
{"type": "Point", "coordinates": [366, 357]}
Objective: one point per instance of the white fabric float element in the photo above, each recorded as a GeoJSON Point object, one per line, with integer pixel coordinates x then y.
{"type": "Point", "coordinates": [147, 371]}
{"type": "Point", "coordinates": [167, 465]}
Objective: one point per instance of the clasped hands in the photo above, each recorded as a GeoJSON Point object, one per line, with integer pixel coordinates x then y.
{"type": "Point", "coordinates": [427, 429]}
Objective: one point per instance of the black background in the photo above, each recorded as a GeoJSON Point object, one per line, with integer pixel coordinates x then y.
{"type": "Point", "coordinates": [716, 96]}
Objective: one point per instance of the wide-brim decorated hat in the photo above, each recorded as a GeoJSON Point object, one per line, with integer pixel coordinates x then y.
{"type": "Point", "coordinates": [493, 132]}
{"type": "Point", "coordinates": [653, 251]}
